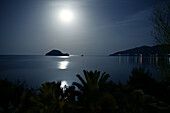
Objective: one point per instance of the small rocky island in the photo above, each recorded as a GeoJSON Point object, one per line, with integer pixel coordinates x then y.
{"type": "Point", "coordinates": [56, 53]}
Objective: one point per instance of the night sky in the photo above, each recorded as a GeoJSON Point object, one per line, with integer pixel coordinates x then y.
{"type": "Point", "coordinates": [99, 27]}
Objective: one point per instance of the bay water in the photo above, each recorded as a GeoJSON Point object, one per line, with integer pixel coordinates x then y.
{"type": "Point", "coordinates": [35, 69]}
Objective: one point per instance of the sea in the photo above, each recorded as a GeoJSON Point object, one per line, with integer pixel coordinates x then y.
{"type": "Point", "coordinates": [37, 69]}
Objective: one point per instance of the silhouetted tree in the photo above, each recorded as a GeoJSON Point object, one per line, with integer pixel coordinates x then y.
{"type": "Point", "coordinates": [93, 97]}
{"type": "Point", "coordinates": [70, 94]}
{"type": "Point", "coordinates": [50, 99]}
{"type": "Point", "coordinates": [161, 33]}
{"type": "Point", "coordinates": [161, 23]}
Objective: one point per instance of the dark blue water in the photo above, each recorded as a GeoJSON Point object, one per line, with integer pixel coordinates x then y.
{"type": "Point", "coordinates": [38, 69]}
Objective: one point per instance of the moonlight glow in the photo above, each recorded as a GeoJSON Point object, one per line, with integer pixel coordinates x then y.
{"type": "Point", "coordinates": [66, 15]}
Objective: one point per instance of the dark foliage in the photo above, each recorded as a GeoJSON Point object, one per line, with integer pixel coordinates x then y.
{"type": "Point", "coordinates": [95, 94]}
{"type": "Point", "coordinates": [10, 94]}
{"type": "Point", "coordinates": [141, 79]}
{"type": "Point", "coordinates": [161, 23]}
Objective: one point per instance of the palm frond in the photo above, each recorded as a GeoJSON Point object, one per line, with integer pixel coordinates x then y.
{"type": "Point", "coordinates": [81, 79]}
{"type": "Point", "coordinates": [79, 86]}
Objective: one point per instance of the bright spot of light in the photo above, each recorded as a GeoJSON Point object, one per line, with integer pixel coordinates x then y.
{"type": "Point", "coordinates": [63, 64]}
{"type": "Point", "coordinates": [63, 56]}
{"type": "Point", "coordinates": [66, 15]}
{"type": "Point", "coordinates": [63, 84]}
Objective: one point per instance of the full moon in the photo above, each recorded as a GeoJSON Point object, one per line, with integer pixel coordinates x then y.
{"type": "Point", "coordinates": [66, 16]}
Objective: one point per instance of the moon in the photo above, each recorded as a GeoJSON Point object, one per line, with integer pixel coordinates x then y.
{"type": "Point", "coordinates": [66, 15]}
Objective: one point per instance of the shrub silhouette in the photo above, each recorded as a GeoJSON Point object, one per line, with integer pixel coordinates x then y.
{"type": "Point", "coordinates": [141, 79]}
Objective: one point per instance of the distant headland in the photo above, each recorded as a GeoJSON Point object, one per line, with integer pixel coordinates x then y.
{"type": "Point", "coordinates": [145, 51]}
{"type": "Point", "coordinates": [56, 53]}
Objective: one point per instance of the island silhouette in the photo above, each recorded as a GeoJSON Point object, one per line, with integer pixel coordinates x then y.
{"type": "Point", "coordinates": [56, 53]}
{"type": "Point", "coordinates": [145, 51]}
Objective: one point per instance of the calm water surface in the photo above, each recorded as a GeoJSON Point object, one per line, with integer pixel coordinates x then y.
{"type": "Point", "coordinates": [38, 69]}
